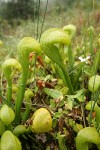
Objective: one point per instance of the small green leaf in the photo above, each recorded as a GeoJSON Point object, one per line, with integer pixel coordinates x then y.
{"type": "Point", "coordinates": [53, 93]}
{"type": "Point", "coordinates": [57, 114]}
{"type": "Point", "coordinates": [54, 122]}
{"type": "Point", "coordinates": [69, 104]}
{"type": "Point", "coordinates": [52, 103]}
{"type": "Point", "coordinates": [61, 103]}
{"type": "Point", "coordinates": [79, 96]}
{"type": "Point", "coordinates": [79, 93]}
{"type": "Point", "coordinates": [64, 90]}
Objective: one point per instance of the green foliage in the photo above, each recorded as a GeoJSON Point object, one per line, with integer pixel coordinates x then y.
{"type": "Point", "coordinates": [53, 93]}
{"type": "Point", "coordinates": [67, 112]}
{"type": "Point", "coordinates": [20, 9]}
{"type": "Point", "coordinates": [60, 105]}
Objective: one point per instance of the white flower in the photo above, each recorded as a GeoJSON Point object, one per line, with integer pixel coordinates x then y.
{"type": "Point", "coordinates": [84, 59]}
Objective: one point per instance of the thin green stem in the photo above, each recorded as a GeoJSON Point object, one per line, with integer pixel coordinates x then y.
{"type": "Point", "coordinates": [96, 63]}
{"type": "Point", "coordinates": [83, 114]}
{"type": "Point", "coordinates": [70, 57]}
{"type": "Point", "coordinates": [38, 19]}
{"type": "Point", "coordinates": [9, 91]}
{"type": "Point", "coordinates": [20, 96]}
{"type": "Point", "coordinates": [92, 98]}
{"type": "Point", "coordinates": [78, 75]}
{"type": "Point", "coordinates": [60, 73]}
{"type": "Point", "coordinates": [43, 19]}
{"type": "Point", "coordinates": [34, 17]}
{"type": "Point", "coordinates": [28, 95]}
{"type": "Point", "coordinates": [26, 113]}
{"type": "Point", "coordinates": [91, 45]}
{"type": "Point", "coordinates": [70, 62]}
{"type": "Point", "coordinates": [67, 79]}
{"type": "Point", "coordinates": [95, 107]}
{"type": "Point", "coordinates": [1, 83]}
